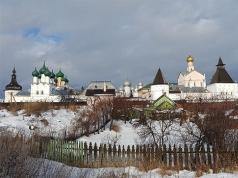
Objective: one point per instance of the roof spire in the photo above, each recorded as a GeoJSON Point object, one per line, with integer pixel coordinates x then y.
{"type": "Point", "coordinates": [220, 62]}
{"type": "Point", "coordinates": [159, 78]}
{"type": "Point", "coordinates": [13, 85]}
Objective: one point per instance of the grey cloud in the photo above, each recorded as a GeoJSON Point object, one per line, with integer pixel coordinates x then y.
{"type": "Point", "coordinates": [118, 39]}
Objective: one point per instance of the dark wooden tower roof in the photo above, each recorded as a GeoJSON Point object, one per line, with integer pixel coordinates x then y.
{"type": "Point", "coordinates": [13, 85]}
{"type": "Point", "coordinates": [221, 75]}
{"type": "Point", "coordinates": [159, 78]}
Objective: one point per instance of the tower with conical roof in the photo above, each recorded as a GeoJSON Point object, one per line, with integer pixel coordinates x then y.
{"type": "Point", "coordinates": [222, 86]}
{"type": "Point", "coordinates": [221, 75]}
{"type": "Point", "coordinates": [13, 88]}
{"type": "Point", "coordinates": [159, 86]}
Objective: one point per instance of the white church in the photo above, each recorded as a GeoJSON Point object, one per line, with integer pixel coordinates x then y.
{"type": "Point", "coordinates": [191, 85]}
{"type": "Point", "coordinates": [45, 87]}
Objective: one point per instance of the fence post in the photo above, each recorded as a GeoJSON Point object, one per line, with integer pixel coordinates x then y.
{"type": "Point", "coordinates": [85, 148]}
{"type": "Point", "coordinates": [100, 154]}
{"type": "Point", "coordinates": [152, 154]}
{"type": "Point", "coordinates": [119, 153]}
{"type": "Point", "coordinates": [203, 156]}
{"type": "Point", "coordinates": [95, 150]}
{"type": "Point", "coordinates": [128, 153]}
{"type": "Point", "coordinates": [110, 152]}
{"type": "Point", "coordinates": [114, 151]}
{"type": "Point", "coordinates": [123, 153]}
{"type": "Point", "coordinates": [164, 157]}
{"type": "Point", "coordinates": [186, 156]}
{"type": "Point", "coordinates": [133, 154]}
{"type": "Point", "coordinates": [192, 160]}
{"type": "Point", "coordinates": [170, 156]}
{"type": "Point", "coordinates": [105, 152]}
{"type": "Point", "coordinates": [175, 157]}
{"type": "Point", "coordinates": [90, 152]}
{"type": "Point", "coordinates": [144, 154]}
{"type": "Point", "coordinates": [209, 157]}
{"type": "Point", "coordinates": [215, 159]}
{"type": "Point", "coordinates": [180, 158]}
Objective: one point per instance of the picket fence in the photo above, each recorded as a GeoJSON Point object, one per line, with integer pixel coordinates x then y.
{"type": "Point", "coordinates": [81, 154]}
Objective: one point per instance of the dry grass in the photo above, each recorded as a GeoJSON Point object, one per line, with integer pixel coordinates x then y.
{"type": "Point", "coordinates": [115, 127]}
{"type": "Point", "coordinates": [38, 107]}
{"type": "Point", "coordinates": [45, 122]}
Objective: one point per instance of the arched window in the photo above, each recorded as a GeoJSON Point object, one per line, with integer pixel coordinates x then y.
{"type": "Point", "coordinates": [42, 92]}
{"type": "Point", "coordinates": [37, 92]}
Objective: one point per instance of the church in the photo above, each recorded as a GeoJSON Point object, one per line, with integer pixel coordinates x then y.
{"type": "Point", "coordinates": [46, 86]}
{"type": "Point", "coordinates": [191, 78]}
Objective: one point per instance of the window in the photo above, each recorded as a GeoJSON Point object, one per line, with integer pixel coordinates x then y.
{"type": "Point", "coordinates": [37, 92]}
{"type": "Point", "coordinates": [42, 92]}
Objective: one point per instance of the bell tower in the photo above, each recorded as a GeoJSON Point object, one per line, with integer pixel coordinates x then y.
{"type": "Point", "coordinates": [190, 64]}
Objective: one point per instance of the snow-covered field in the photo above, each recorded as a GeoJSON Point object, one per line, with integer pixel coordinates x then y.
{"type": "Point", "coordinates": [50, 168]}
{"type": "Point", "coordinates": [129, 135]}
{"type": "Point", "coordinates": [52, 122]}
{"type": "Point", "coordinates": [57, 122]}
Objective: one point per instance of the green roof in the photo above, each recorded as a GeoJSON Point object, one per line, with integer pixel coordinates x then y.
{"type": "Point", "coordinates": [35, 73]}
{"type": "Point", "coordinates": [47, 72]}
{"type": "Point", "coordinates": [43, 69]}
{"type": "Point", "coordinates": [60, 74]}
{"type": "Point", "coordinates": [66, 80]}
{"type": "Point", "coordinates": [52, 75]}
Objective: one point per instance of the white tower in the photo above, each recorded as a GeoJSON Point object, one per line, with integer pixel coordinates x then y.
{"type": "Point", "coordinates": [159, 86]}
{"type": "Point", "coordinates": [190, 66]}
{"type": "Point", "coordinates": [140, 85]}
{"type": "Point", "coordinates": [127, 88]}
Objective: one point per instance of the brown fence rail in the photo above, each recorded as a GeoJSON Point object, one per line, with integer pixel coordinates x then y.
{"type": "Point", "coordinates": [92, 155]}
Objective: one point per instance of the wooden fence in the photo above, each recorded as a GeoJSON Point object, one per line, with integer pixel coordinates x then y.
{"type": "Point", "coordinates": [92, 155]}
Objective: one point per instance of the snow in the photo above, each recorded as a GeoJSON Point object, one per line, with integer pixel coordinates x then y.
{"type": "Point", "coordinates": [127, 135]}
{"type": "Point", "coordinates": [52, 122]}
{"type": "Point", "coordinates": [48, 168]}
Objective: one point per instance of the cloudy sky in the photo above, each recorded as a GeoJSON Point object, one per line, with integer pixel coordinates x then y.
{"type": "Point", "coordinates": [116, 39]}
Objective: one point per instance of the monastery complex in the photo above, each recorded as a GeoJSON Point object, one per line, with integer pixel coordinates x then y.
{"type": "Point", "coordinates": [46, 86]}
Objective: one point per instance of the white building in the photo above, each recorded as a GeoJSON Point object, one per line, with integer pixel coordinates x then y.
{"type": "Point", "coordinates": [191, 78]}
{"type": "Point", "coordinates": [100, 88]}
{"type": "Point", "coordinates": [127, 89]}
{"type": "Point", "coordinates": [45, 86]}
{"type": "Point", "coordinates": [159, 86]}
{"type": "Point", "coordinates": [222, 86]}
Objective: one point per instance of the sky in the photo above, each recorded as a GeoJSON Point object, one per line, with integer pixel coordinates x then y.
{"type": "Point", "coordinates": [116, 40]}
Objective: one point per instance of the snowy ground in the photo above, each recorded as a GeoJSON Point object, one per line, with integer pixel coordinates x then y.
{"type": "Point", "coordinates": [49, 168]}
{"type": "Point", "coordinates": [129, 135]}
{"type": "Point", "coordinates": [57, 122]}
{"type": "Point", "coordinates": [52, 122]}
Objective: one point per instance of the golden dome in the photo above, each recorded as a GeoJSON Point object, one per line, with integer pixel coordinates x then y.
{"type": "Point", "coordinates": [190, 59]}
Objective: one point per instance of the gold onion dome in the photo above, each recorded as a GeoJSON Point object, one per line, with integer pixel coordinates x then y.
{"type": "Point", "coordinates": [189, 59]}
